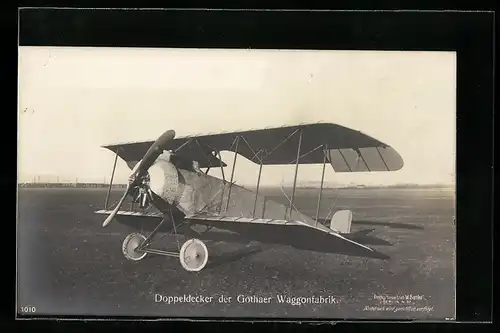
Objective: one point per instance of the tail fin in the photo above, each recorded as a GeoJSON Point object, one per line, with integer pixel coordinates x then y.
{"type": "Point", "coordinates": [341, 221]}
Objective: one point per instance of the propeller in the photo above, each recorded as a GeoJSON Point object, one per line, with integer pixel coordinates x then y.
{"type": "Point", "coordinates": [142, 167]}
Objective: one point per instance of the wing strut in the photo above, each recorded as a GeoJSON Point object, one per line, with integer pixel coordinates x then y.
{"type": "Point", "coordinates": [295, 177]}
{"type": "Point", "coordinates": [111, 180]}
{"type": "Point", "coordinates": [257, 190]}
{"type": "Point", "coordinates": [224, 180]}
{"type": "Point", "coordinates": [321, 187]}
{"type": "Point", "coordinates": [256, 155]}
{"type": "Point", "coordinates": [232, 172]}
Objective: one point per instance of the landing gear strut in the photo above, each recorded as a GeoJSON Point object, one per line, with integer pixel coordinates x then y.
{"type": "Point", "coordinates": [193, 254]}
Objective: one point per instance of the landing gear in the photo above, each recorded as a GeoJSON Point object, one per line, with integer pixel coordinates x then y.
{"type": "Point", "coordinates": [193, 255]}
{"type": "Point", "coordinates": [130, 245]}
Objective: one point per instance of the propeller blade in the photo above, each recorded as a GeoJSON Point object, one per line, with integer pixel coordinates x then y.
{"type": "Point", "coordinates": [134, 170]}
{"type": "Point", "coordinates": [142, 166]}
{"type": "Point", "coordinates": [117, 208]}
{"type": "Point", "coordinates": [154, 151]}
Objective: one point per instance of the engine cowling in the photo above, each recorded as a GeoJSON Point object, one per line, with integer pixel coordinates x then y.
{"type": "Point", "coordinates": [164, 179]}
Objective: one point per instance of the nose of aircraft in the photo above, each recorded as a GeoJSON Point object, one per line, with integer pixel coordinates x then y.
{"type": "Point", "coordinates": [164, 180]}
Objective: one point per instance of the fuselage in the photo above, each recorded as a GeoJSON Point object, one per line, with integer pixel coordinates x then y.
{"type": "Point", "coordinates": [196, 192]}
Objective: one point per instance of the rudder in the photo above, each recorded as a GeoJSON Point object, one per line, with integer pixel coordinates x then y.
{"type": "Point", "coordinates": [341, 221]}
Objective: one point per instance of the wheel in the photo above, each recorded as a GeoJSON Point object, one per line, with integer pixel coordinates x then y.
{"type": "Point", "coordinates": [130, 243]}
{"type": "Point", "coordinates": [193, 255]}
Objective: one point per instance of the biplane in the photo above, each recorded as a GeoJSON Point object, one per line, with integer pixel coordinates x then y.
{"type": "Point", "coordinates": [169, 181]}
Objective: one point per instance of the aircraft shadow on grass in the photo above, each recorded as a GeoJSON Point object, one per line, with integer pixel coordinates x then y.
{"type": "Point", "coordinates": [227, 258]}
{"type": "Point", "coordinates": [364, 237]}
{"type": "Point", "coordinates": [392, 225]}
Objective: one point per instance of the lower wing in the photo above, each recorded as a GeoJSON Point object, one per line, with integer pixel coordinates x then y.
{"type": "Point", "coordinates": [297, 234]}
{"type": "Point", "coordinates": [286, 232]}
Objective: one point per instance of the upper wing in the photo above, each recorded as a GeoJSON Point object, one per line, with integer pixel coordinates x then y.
{"type": "Point", "coordinates": [347, 150]}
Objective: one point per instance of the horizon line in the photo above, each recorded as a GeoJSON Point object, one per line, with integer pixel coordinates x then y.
{"type": "Point", "coordinates": [305, 186]}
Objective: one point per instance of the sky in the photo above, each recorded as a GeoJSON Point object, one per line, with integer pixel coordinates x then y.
{"type": "Point", "coordinates": [74, 100]}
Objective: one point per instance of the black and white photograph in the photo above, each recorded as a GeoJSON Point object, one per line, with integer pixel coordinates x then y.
{"type": "Point", "coordinates": [236, 183]}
